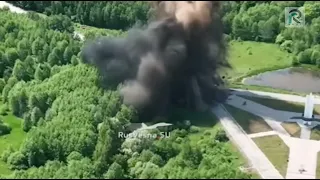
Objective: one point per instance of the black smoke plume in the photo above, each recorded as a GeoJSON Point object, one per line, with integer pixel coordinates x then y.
{"type": "Point", "coordinates": [173, 61]}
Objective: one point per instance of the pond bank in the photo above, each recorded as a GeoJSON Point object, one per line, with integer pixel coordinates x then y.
{"type": "Point", "coordinates": [297, 79]}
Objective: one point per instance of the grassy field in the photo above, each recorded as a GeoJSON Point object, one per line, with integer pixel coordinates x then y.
{"type": "Point", "coordinates": [248, 58]}
{"type": "Point", "coordinates": [282, 105]}
{"type": "Point", "coordinates": [276, 151]}
{"type": "Point", "coordinates": [292, 128]}
{"type": "Point", "coordinates": [250, 123]}
{"type": "Point", "coordinates": [13, 139]}
{"type": "Point", "coordinates": [315, 133]}
{"type": "Point", "coordinates": [239, 85]}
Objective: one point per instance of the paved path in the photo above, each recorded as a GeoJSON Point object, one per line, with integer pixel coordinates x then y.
{"type": "Point", "coordinates": [262, 134]}
{"type": "Point", "coordinates": [270, 95]}
{"type": "Point", "coordinates": [303, 152]}
{"type": "Point", "coordinates": [246, 145]}
{"type": "Point", "coordinates": [266, 113]}
{"type": "Point", "coordinates": [283, 115]}
{"type": "Point", "coordinates": [305, 132]}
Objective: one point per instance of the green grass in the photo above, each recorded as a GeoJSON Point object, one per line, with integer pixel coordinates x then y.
{"type": "Point", "coordinates": [282, 105]}
{"type": "Point", "coordinates": [207, 122]}
{"type": "Point", "coordinates": [202, 119]}
{"type": "Point", "coordinates": [250, 123]}
{"type": "Point", "coordinates": [196, 137]}
{"type": "Point", "coordinates": [14, 139]}
{"type": "Point", "coordinates": [264, 57]}
{"type": "Point", "coordinates": [93, 31]}
{"type": "Point", "coordinates": [275, 150]}
{"type": "Point", "coordinates": [315, 133]}
{"type": "Point", "coordinates": [239, 85]}
{"type": "Point", "coordinates": [292, 128]}
{"type": "Point", "coordinates": [243, 161]}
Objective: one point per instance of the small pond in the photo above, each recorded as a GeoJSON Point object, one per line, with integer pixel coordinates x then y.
{"type": "Point", "coordinates": [294, 79]}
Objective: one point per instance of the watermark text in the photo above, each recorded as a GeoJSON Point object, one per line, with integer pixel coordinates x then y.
{"type": "Point", "coordinates": [160, 135]}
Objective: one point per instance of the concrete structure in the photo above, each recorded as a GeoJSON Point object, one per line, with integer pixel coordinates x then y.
{"type": "Point", "coordinates": [308, 108]}
{"type": "Point", "coordinates": [303, 151]}
{"type": "Point", "coordinates": [245, 144]}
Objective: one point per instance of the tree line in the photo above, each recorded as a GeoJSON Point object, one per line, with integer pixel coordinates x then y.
{"type": "Point", "coordinates": [261, 21]}
{"type": "Point", "coordinates": [72, 124]}
{"type": "Point", "coordinates": [102, 14]}
{"type": "Point", "coordinates": [265, 22]}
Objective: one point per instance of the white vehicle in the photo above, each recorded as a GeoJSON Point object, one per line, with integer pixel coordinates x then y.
{"type": "Point", "coordinates": [145, 127]}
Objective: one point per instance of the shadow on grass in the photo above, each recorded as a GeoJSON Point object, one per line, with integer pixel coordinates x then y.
{"type": "Point", "coordinates": [315, 133]}
{"type": "Point", "coordinates": [201, 119]}
{"type": "Point", "coordinates": [278, 104]}
{"type": "Point", "coordinates": [292, 128]}
{"type": "Point", "coordinates": [249, 122]}
{"type": "Point", "coordinates": [289, 109]}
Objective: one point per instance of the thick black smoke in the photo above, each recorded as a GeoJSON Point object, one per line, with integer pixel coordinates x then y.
{"type": "Point", "coordinates": [173, 61]}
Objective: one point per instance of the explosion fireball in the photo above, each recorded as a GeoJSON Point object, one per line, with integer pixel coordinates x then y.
{"type": "Point", "coordinates": [173, 61]}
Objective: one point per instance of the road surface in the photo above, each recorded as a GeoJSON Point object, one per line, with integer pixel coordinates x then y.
{"type": "Point", "coordinates": [258, 160]}
{"type": "Point", "coordinates": [270, 95]}
{"type": "Point", "coordinates": [303, 151]}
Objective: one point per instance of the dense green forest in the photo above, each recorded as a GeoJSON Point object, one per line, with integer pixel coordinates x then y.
{"type": "Point", "coordinates": [261, 21]}
{"type": "Point", "coordinates": [264, 22]}
{"type": "Point", "coordinates": [102, 14]}
{"type": "Point", "coordinates": [72, 124]}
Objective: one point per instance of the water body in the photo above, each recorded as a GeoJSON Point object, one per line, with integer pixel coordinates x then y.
{"type": "Point", "coordinates": [293, 79]}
